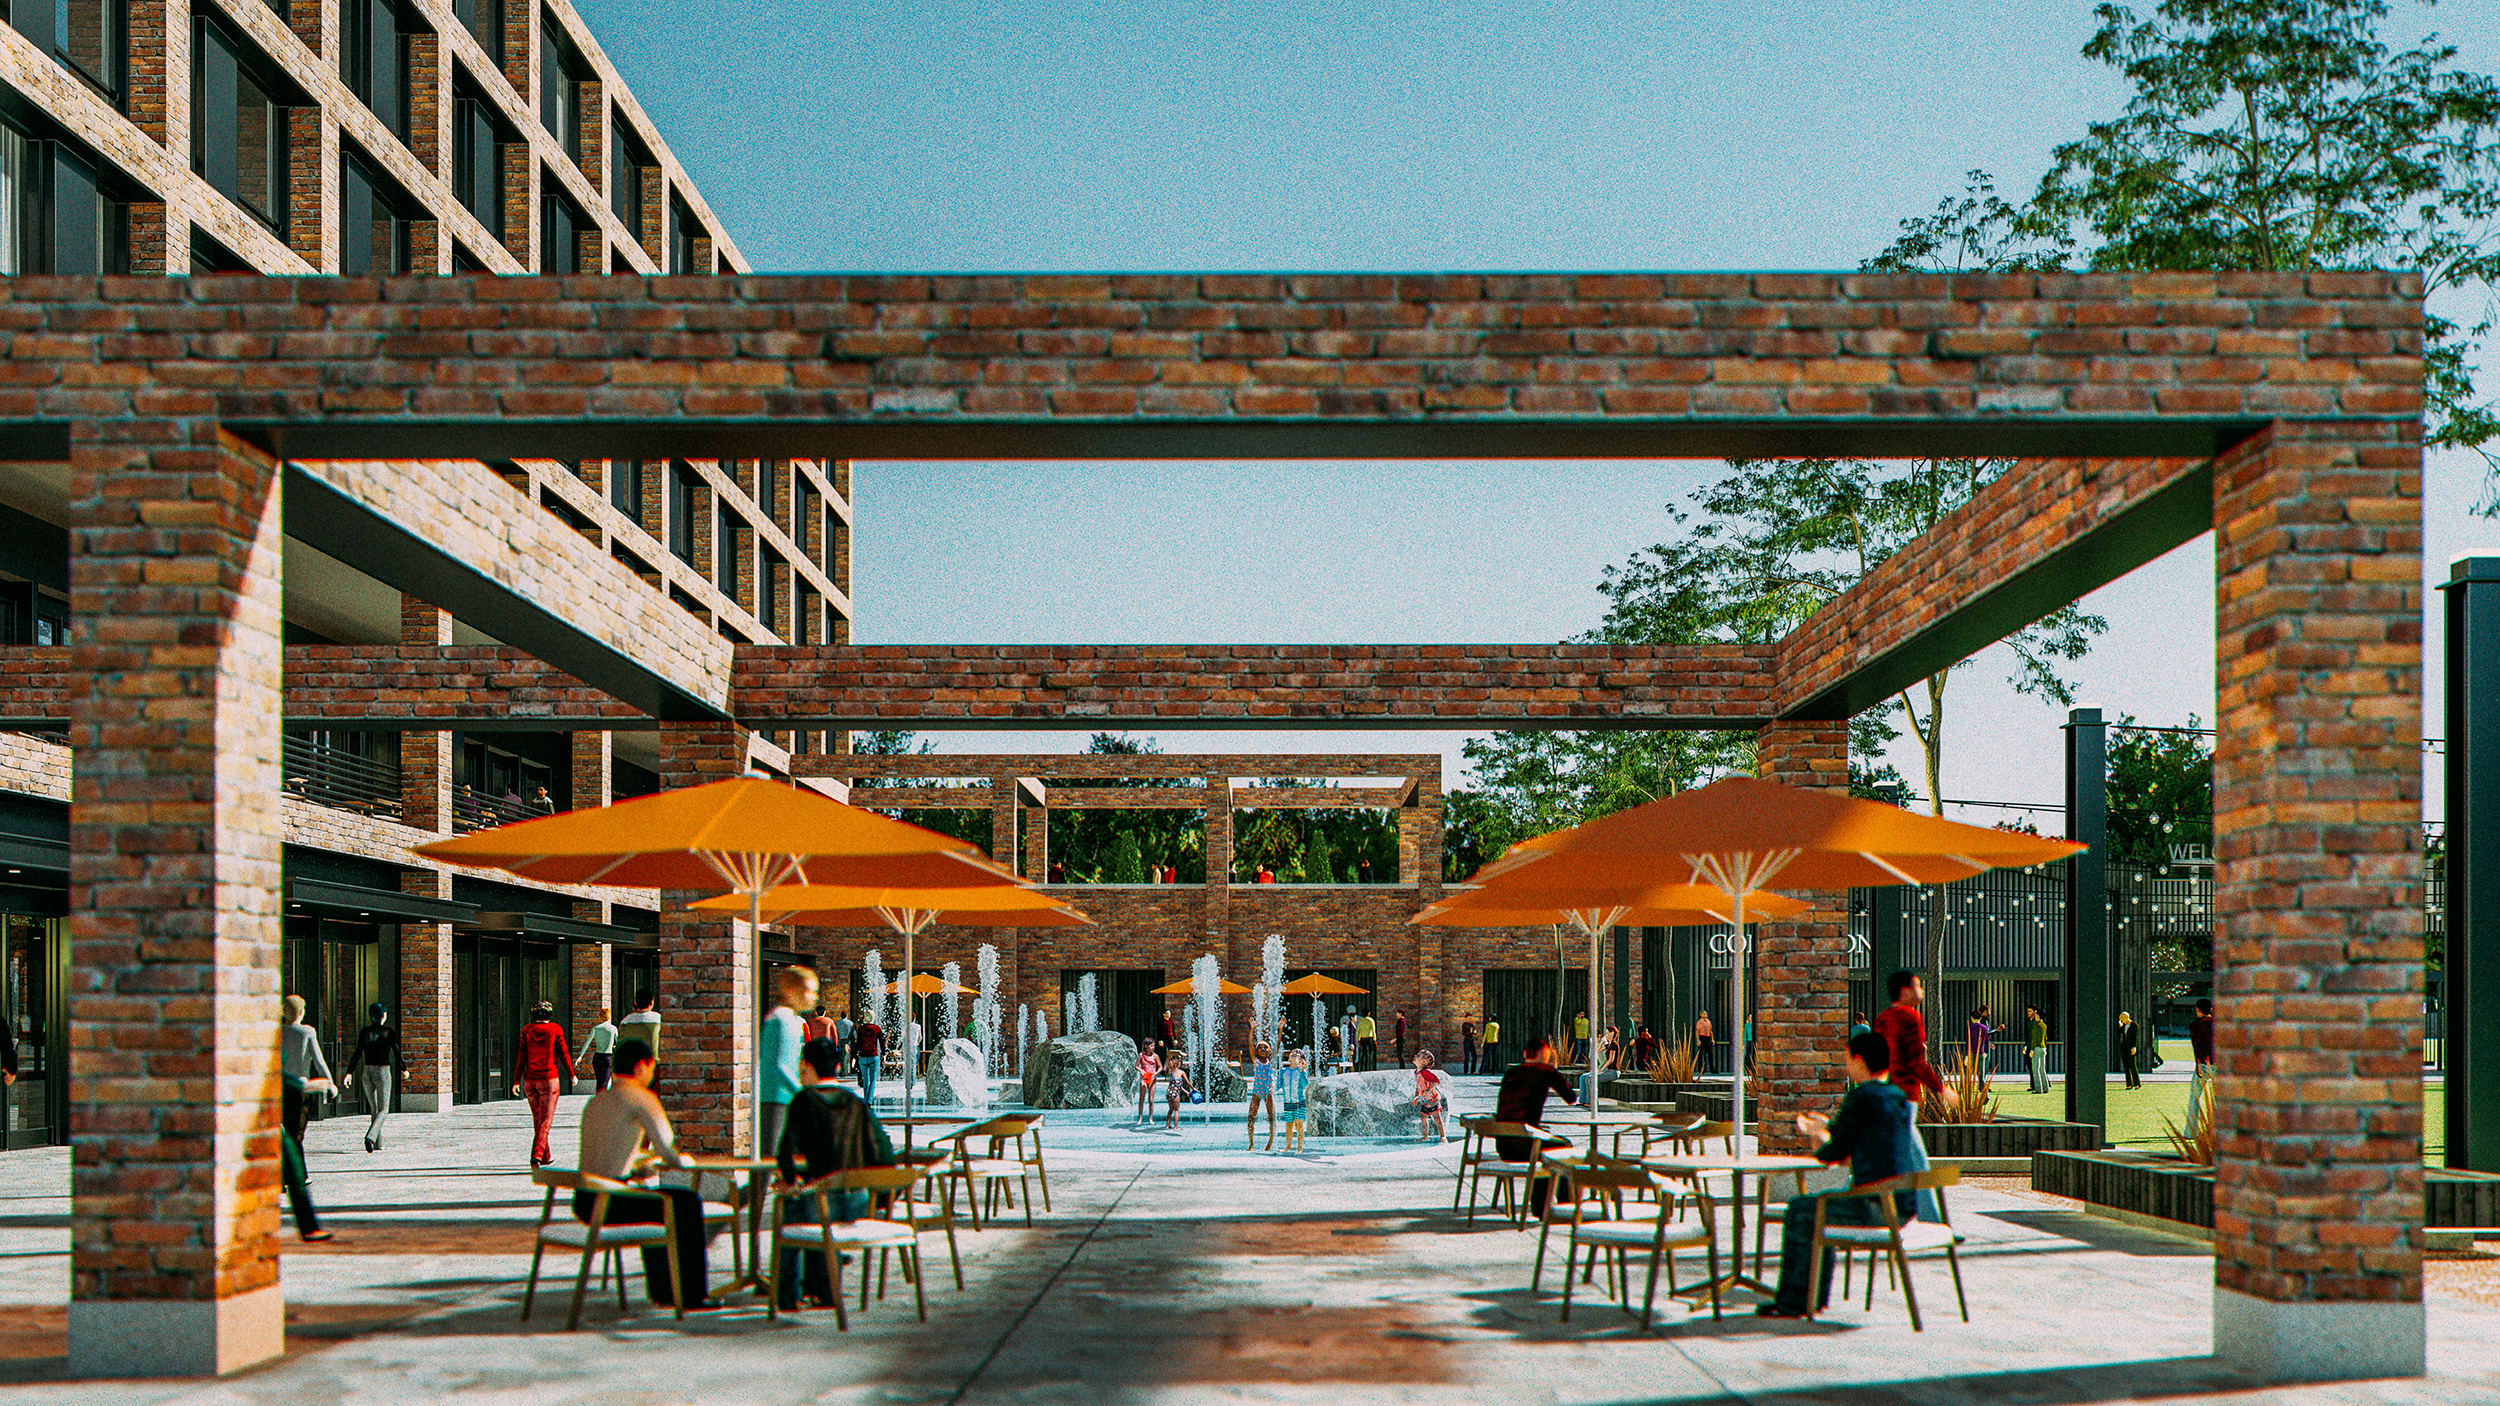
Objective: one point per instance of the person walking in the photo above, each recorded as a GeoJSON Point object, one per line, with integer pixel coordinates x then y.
{"type": "Point", "coordinates": [2201, 1044]}
{"type": "Point", "coordinates": [1980, 1040]}
{"type": "Point", "coordinates": [1397, 1036]}
{"type": "Point", "coordinates": [1903, 1024]}
{"type": "Point", "coordinates": [1432, 1101]}
{"type": "Point", "coordinates": [1702, 1034]}
{"type": "Point", "coordinates": [819, 1026]}
{"type": "Point", "coordinates": [599, 1048]}
{"type": "Point", "coordinates": [1262, 1091]}
{"type": "Point", "coordinates": [777, 1053]}
{"type": "Point", "coordinates": [302, 1073]}
{"type": "Point", "coordinates": [1367, 1031]}
{"type": "Point", "coordinates": [380, 1060]}
{"type": "Point", "coordinates": [545, 1059]}
{"type": "Point", "coordinates": [844, 1033]}
{"type": "Point", "coordinates": [1491, 1060]}
{"type": "Point", "coordinates": [1466, 1047]}
{"type": "Point", "coordinates": [2127, 1036]}
{"type": "Point", "coordinates": [1610, 1049]}
{"type": "Point", "coordinates": [1345, 1043]}
{"type": "Point", "coordinates": [2036, 1049]}
{"type": "Point", "coordinates": [1644, 1049]}
{"type": "Point", "coordinates": [868, 1040]}
{"type": "Point", "coordinates": [1149, 1064]}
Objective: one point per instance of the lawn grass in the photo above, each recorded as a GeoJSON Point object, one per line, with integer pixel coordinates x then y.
{"type": "Point", "coordinates": [2135, 1115]}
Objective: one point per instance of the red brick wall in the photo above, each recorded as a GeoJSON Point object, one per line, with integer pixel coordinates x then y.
{"type": "Point", "coordinates": [1802, 967]}
{"type": "Point", "coordinates": [706, 990]}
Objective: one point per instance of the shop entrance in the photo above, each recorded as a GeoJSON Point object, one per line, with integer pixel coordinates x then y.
{"type": "Point", "coordinates": [34, 981]}
{"type": "Point", "coordinates": [340, 968]}
{"type": "Point", "coordinates": [494, 982]}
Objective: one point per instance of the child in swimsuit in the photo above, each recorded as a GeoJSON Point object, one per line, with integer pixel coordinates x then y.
{"type": "Point", "coordinates": [1294, 1084]}
{"type": "Point", "coordinates": [1430, 1099]}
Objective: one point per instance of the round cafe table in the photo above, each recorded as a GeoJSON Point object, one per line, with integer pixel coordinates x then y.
{"type": "Point", "coordinates": [1737, 1168]}
{"type": "Point", "coordinates": [925, 1120]}
{"type": "Point", "coordinates": [758, 1173]}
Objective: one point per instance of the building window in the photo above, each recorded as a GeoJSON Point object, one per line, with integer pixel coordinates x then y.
{"type": "Point", "coordinates": [559, 231]}
{"type": "Point", "coordinates": [238, 126]}
{"type": "Point", "coordinates": [373, 59]}
{"type": "Point", "coordinates": [628, 158]}
{"type": "Point", "coordinates": [768, 574]}
{"type": "Point", "coordinates": [484, 21]}
{"type": "Point", "coordinates": [59, 218]}
{"type": "Point", "coordinates": [684, 232]}
{"type": "Point", "coordinates": [89, 37]}
{"type": "Point", "coordinates": [725, 553]}
{"type": "Point", "coordinates": [477, 165]}
{"type": "Point", "coordinates": [625, 488]}
{"type": "Point", "coordinates": [560, 90]}
{"type": "Point", "coordinates": [373, 220]}
{"type": "Point", "coordinates": [802, 503]}
{"type": "Point", "coordinates": [685, 490]}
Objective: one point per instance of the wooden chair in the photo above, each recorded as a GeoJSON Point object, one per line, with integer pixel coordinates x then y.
{"type": "Point", "coordinates": [1564, 1166]}
{"type": "Point", "coordinates": [1032, 1157]}
{"type": "Point", "coordinates": [1894, 1238]}
{"type": "Point", "coordinates": [1509, 1178]}
{"type": "Point", "coordinates": [831, 1238]}
{"type": "Point", "coordinates": [988, 1175]}
{"type": "Point", "coordinates": [596, 1235]}
{"type": "Point", "coordinates": [1600, 1185]}
{"type": "Point", "coordinates": [920, 1207]}
{"type": "Point", "coordinates": [1471, 1149]}
{"type": "Point", "coordinates": [1668, 1128]}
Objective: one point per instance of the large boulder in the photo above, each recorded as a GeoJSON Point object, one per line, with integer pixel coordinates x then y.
{"type": "Point", "coordinates": [1225, 1084]}
{"type": "Point", "coordinates": [958, 1076]}
{"type": "Point", "coordinates": [1378, 1104]}
{"type": "Point", "coordinates": [1097, 1069]}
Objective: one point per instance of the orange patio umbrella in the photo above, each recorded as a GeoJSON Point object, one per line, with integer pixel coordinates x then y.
{"type": "Point", "coordinates": [1223, 987]}
{"type": "Point", "coordinates": [1744, 833]}
{"type": "Point", "coordinates": [909, 911]}
{"type": "Point", "coordinates": [1522, 899]}
{"type": "Point", "coordinates": [1317, 985]}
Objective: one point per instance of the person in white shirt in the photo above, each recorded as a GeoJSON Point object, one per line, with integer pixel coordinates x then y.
{"type": "Point", "coordinates": [616, 1123]}
{"type": "Point", "coordinates": [598, 1047]}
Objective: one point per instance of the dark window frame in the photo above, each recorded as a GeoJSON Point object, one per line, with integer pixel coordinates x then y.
{"type": "Point", "coordinates": [220, 57]}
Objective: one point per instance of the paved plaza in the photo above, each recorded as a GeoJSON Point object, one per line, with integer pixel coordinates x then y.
{"type": "Point", "coordinates": [1176, 1267]}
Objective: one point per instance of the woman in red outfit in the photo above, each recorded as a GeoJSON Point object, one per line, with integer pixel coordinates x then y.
{"type": "Point", "coordinates": [545, 1058]}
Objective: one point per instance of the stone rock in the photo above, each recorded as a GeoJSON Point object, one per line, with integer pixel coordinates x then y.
{"type": "Point", "coordinates": [1097, 1069]}
{"type": "Point", "coordinates": [1377, 1104]}
{"type": "Point", "coordinates": [958, 1077]}
{"type": "Point", "coordinates": [1225, 1084]}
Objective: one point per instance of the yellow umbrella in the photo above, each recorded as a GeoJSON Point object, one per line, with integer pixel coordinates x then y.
{"type": "Point", "coordinates": [1519, 899]}
{"type": "Point", "coordinates": [1743, 833]}
{"type": "Point", "coordinates": [1317, 985]}
{"type": "Point", "coordinates": [909, 911]}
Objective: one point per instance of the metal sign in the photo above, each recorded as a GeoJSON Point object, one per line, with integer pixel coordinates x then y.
{"type": "Point", "coordinates": [2192, 856]}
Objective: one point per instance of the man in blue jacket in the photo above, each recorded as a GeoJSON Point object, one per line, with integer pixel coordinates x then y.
{"type": "Point", "coordinates": [1872, 1134]}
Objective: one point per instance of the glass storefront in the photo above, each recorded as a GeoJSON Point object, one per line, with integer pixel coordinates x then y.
{"type": "Point", "coordinates": [34, 982]}
{"type": "Point", "coordinates": [340, 967]}
{"type": "Point", "coordinates": [494, 982]}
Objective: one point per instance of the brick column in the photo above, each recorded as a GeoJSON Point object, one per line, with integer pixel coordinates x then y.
{"type": "Point", "coordinates": [425, 1016]}
{"type": "Point", "coordinates": [425, 758]}
{"type": "Point", "coordinates": [593, 986]}
{"type": "Point", "coordinates": [429, 117]}
{"type": "Point", "coordinates": [2318, 1191]}
{"type": "Point", "coordinates": [1003, 820]}
{"type": "Point", "coordinates": [1219, 857]}
{"type": "Point", "coordinates": [1801, 971]}
{"type": "Point", "coordinates": [1037, 844]}
{"type": "Point", "coordinates": [174, 901]}
{"type": "Point", "coordinates": [706, 978]}
{"type": "Point", "coordinates": [1436, 1022]}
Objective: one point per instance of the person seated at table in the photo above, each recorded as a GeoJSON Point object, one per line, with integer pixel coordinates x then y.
{"type": "Point", "coordinates": [616, 1122]}
{"type": "Point", "coordinates": [1872, 1133]}
{"type": "Point", "coordinates": [1522, 1100]}
{"type": "Point", "coordinates": [830, 1129]}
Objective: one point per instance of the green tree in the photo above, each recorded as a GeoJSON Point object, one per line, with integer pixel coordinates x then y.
{"type": "Point", "coordinates": [2161, 791]}
{"type": "Point", "coordinates": [2272, 135]}
{"type": "Point", "coordinates": [1318, 861]}
{"type": "Point", "coordinates": [1127, 866]}
{"type": "Point", "coordinates": [1084, 844]}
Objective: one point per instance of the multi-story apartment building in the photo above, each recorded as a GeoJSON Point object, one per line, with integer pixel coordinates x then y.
{"type": "Point", "coordinates": [366, 137]}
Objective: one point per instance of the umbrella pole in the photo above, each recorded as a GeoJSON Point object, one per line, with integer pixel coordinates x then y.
{"type": "Point", "coordinates": [1736, 1021]}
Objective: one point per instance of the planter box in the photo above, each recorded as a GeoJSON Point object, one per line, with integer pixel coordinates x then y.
{"type": "Point", "coordinates": [2163, 1187]}
{"type": "Point", "coordinates": [1649, 1091]}
{"type": "Point", "coordinates": [2007, 1137]}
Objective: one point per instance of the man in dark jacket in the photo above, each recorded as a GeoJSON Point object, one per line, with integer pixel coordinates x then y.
{"type": "Point", "coordinates": [828, 1129]}
{"type": "Point", "coordinates": [1521, 1099]}
{"type": "Point", "coordinates": [1872, 1134]}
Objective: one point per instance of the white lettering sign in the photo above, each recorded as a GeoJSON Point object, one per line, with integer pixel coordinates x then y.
{"type": "Point", "coordinates": [2192, 856]}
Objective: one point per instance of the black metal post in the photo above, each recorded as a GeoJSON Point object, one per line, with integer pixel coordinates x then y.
{"type": "Point", "coordinates": [1623, 989]}
{"type": "Point", "coordinates": [2088, 1014]}
{"type": "Point", "coordinates": [2472, 784]}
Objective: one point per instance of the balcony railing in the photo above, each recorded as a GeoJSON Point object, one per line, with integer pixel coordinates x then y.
{"type": "Point", "coordinates": [473, 810]}
{"type": "Point", "coordinates": [328, 775]}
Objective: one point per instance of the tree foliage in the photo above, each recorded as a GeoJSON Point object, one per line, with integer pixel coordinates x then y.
{"type": "Point", "coordinates": [2161, 792]}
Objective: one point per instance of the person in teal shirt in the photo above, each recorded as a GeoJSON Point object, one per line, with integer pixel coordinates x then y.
{"type": "Point", "coordinates": [777, 1055]}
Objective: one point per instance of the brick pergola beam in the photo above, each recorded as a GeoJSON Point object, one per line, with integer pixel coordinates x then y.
{"type": "Point", "coordinates": [2045, 533]}
{"type": "Point", "coordinates": [1151, 766]}
{"type": "Point", "coordinates": [1097, 687]}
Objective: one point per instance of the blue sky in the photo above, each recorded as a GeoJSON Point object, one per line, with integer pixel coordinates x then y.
{"type": "Point", "coordinates": [1366, 135]}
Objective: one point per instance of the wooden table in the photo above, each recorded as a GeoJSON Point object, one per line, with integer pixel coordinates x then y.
{"type": "Point", "coordinates": [1737, 1168]}
{"type": "Point", "coordinates": [754, 1168]}
{"type": "Point", "coordinates": [926, 1120]}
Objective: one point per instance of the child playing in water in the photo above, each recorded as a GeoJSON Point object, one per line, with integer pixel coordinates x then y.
{"type": "Point", "coordinates": [1262, 1091]}
{"type": "Point", "coordinates": [1176, 1088]}
{"type": "Point", "coordinates": [1148, 1065]}
{"type": "Point", "coordinates": [1294, 1087]}
{"type": "Point", "coordinates": [1430, 1099]}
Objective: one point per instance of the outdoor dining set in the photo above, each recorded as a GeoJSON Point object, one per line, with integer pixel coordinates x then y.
{"type": "Point", "coordinates": [995, 1162]}
{"type": "Point", "coordinates": [1652, 1194]}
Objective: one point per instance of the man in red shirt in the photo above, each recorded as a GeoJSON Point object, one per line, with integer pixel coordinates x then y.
{"type": "Point", "coordinates": [1905, 1030]}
